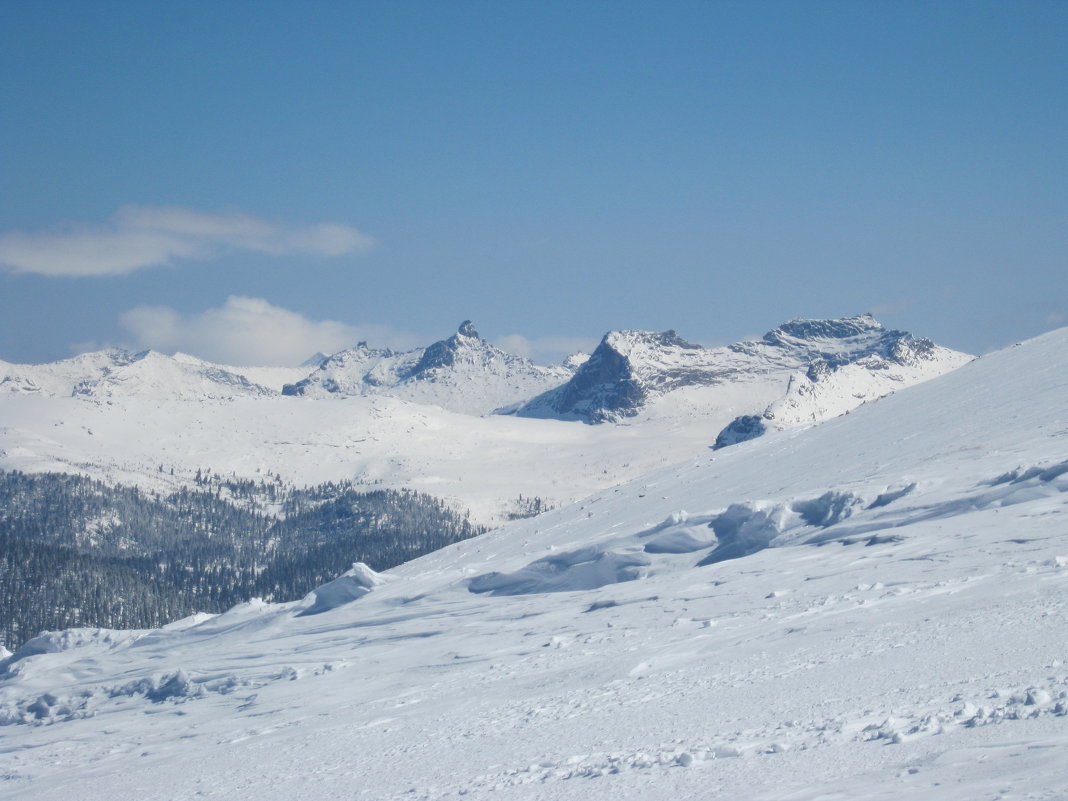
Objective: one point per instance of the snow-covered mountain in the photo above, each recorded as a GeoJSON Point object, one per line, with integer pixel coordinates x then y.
{"type": "Point", "coordinates": [802, 371]}
{"type": "Point", "coordinates": [378, 416]}
{"type": "Point", "coordinates": [153, 375]}
{"type": "Point", "coordinates": [59, 379]}
{"type": "Point", "coordinates": [463, 373]}
{"type": "Point", "coordinates": [845, 363]}
{"type": "Point", "coordinates": [871, 608]}
{"type": "Point", "coordinates": [114, 373]}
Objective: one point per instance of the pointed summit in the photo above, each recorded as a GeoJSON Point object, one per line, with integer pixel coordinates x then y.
{"type": "Point", "coordinates": [462, 373]}
{"type": "Point", "coordinates": [314, 361]}
{"type": "Point", "coordinates": [446, 352]}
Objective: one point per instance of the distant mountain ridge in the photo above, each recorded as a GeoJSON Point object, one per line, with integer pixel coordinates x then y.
{"type": "Point", "coordinates": [801, 371]}
{"type": "Point", "coordinates": [631, 370]}
{"type": "Point", "coordinates": [463, 373]}
{"type": "Point", "coordinates": [111, 373]}
{"type": "Point", "coordinates": [422, 419]}
{"type": "Point", "coordinates": [59, 379]}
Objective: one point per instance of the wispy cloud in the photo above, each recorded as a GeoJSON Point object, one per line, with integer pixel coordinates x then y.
{"type": "Point", "coordinates": [149, 236]}
{"type": "Point", "coordinates": [545, 350]}
{"type": "Point", "coordinates": [250, 331]}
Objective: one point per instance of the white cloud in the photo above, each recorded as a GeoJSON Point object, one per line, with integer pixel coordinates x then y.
{"type": "Point", "coordinates": [545, 350]}
{"type": "Point", "coordinates": [148, 236]}
{"type": "Point", "coordinates": [249, 332]}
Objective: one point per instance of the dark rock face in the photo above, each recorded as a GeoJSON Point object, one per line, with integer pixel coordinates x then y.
{"type": "Point", "coordinates": [613, 383]}
{"type": "Point", "coordinates": [603, 385]}
{"type": "Point", "coordinates": [846, 328]}
{"type": "Point", "coordinates": [746, 427]}
{"type": "Point", "coordinates": [839, 342]}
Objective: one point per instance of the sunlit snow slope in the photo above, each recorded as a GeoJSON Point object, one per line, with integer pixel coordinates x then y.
{"type": "Point", "coordinates": [871, 608]}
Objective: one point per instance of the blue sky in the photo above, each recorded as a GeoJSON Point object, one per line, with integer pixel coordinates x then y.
{"type": "Point", "coordinates": [252, 179]}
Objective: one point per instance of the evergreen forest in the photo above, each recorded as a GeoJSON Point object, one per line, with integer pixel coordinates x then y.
{"type": "Point", "coordinates": [78, 552]}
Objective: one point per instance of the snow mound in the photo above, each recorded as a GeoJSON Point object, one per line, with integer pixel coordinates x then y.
{"type": "Point", "coordinates": [162, 687]}
{"type": "Point", "coordinates": [685, 539]}
{"type": "Point", "coordinates": [54, 642]}
{"type": "Point", "coordinates": [189, 622]}
{"type": "Point", "coordinates": [584, 569]}
{"type": "Point", "coordinates": [744, 529]}
{"type": "Point", "coordinates": [679, 533]}
{"type": "Point", "coordinates": [350, 586]}
{"type": "Point", "coordinates": [1043, 473]}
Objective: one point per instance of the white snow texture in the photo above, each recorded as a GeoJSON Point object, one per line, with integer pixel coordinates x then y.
{"type": "Point", "coordinates": [869, 608]}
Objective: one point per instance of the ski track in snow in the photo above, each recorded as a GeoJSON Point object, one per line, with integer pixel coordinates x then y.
{"type": "Point", "coordinates": [886, 619]}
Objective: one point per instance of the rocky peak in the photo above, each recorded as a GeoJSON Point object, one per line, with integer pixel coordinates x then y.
{"type": "Point", "coordinates": [461, 346]}
{"type": "Point", "coordinates": [613, 382]}
{"type": "Point", "coordinates": [839, 342]}
{"type": "Point", "coordinates": [801, 329]}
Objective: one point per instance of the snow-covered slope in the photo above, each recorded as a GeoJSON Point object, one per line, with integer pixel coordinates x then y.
{"type": "Point", "coordinates": [872, 608]}
{"type": "Point", "coordinates": [274, 378]}
{"type": "Point", "coordinates": [844, 362]}
{"type": "Point", "coordinates": [833, 384]}
{"type": "Point", "coordinates": [153, 375]}
{"type": "Point", "coordinates": [463, 373]}
{"type": "Point", "coordinates": [480, 463]}
{"type": "Point", "coordinates": [59, 379]}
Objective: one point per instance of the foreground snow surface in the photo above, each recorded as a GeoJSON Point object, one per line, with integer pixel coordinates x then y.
{"type": "Point", "coordinates": [871, 608]}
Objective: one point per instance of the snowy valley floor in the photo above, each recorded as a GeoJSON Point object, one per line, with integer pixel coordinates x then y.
{"type": "Point", "coordinates": [873, 608]}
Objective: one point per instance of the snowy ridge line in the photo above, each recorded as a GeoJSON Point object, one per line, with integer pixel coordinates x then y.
{"type": "Point", "coordinates": [463, 373]}
{"type": "Point", "coordinates": [802, 371]}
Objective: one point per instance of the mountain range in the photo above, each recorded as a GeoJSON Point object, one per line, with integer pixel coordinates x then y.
{"type": "Point", "coordinates": [813, 368]}
{"type": "Point", "coordinates": [460, 419]}
{"type": "Point", "coordinates": [463, 373]}
{"type": "Point", "coordinates": [868, 608]}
